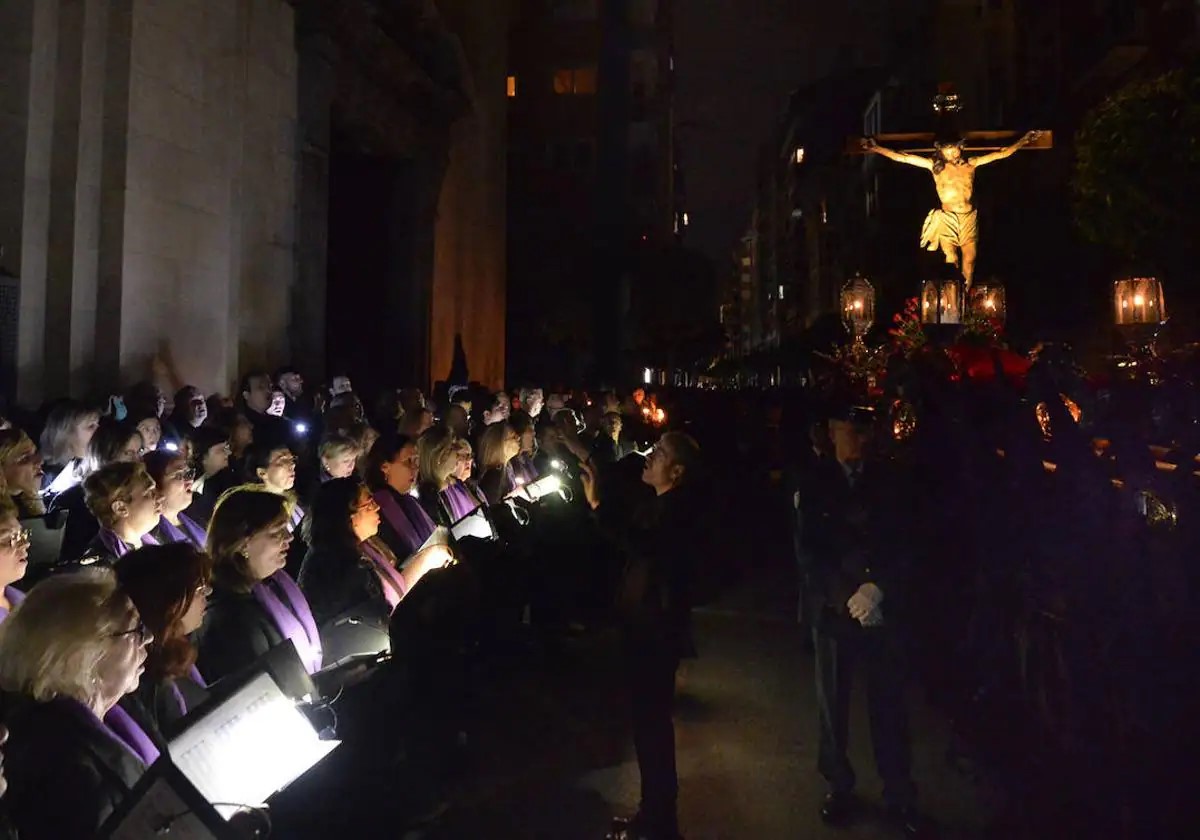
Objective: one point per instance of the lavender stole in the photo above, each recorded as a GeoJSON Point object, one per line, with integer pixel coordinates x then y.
{"type": "Point", "coordinates": [115, 544]}
{"type": "Point", "coordinates": [524, 469]}
{"type": "Point", "coordinates": [117, 725]}
{"type": "Point", "coordinates": [407, 518]}
{"type": "Point", "coordinates": [194, 676]}
{"type": "Point", "coordinates": [297, 518]}
{"type": "Point", "coordinates": [188, 532]}
{"type": "Point", "coordinates": [390, 579]}
{"type": "Point", "coordinates": [459, 500]}
{"type": "Point", "coordinates": [294, 620]}
{"type": "Point", "coordinates": [14, 596]}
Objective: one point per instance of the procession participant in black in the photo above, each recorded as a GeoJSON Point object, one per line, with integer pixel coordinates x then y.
{"type": "Point", "coordinates": [660, 548]}
{"type": "Point", "coordinates": [854, 544]}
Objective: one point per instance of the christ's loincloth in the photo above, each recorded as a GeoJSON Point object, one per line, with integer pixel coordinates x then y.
{"type": "Point", "coordinates": [947, 226]}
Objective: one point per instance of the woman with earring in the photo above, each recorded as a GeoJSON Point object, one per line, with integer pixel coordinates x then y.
{"type": "Point", "coordinates": [126, 504]}
{"type": "Point", "coordinates": [68, 654]}
{"type": "Point", "coordinates": [255, 604]}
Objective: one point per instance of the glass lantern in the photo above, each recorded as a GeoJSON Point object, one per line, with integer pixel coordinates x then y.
{"type": "Point", "coordinates": [1139, 301]}
{"type": "Point", "coordinates": [988, 301]}
{"type": "Point", "coordinates": [858, 306]}
{"type": "Point", "coordinates": [941, 302]}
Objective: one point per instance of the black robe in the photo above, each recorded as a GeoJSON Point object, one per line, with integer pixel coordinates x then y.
{"type": "Point", "coordinates": [338, 581]}
{"type": "Point", "coordinates": [236, 632]}
{"type": "Point", "coordinates": [65, 777]}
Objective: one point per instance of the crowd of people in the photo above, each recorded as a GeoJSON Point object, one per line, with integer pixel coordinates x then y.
{"type": "Point", "coordinates": [152, 551]}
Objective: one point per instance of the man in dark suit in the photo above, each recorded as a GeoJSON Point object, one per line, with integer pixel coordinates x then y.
{"type": "Point", "coordinates": [853, 546]}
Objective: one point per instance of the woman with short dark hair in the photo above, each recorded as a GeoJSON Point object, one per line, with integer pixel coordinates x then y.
{"type": "Point", "coordinates": [174, 477]}
{"type": "Point", "coordinates": [125, 501]}
{"type": "Point", "coordinates": [255, 603]}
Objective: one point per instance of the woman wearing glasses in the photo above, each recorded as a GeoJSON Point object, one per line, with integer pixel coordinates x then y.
{"type": "Point", "coordinates": [14, 556]}
{"type": "Point", "coordinates": [125, 501]}
{"type": "Point", "coordinates": [169, 585]}
{"type": "Point", "coordinates": [174, 478]}
{"type": "Point", "coordinates": [72, 650]}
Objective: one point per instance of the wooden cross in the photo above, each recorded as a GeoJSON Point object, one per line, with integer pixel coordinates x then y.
{"type": "Point", "coordinates": [977, 141]}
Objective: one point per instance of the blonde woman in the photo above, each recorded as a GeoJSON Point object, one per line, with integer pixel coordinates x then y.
{"type": "Point", "coordinates": [444, 493]}
{"type": "Point", "coordinates": [21, 471]}
{"type": "Point", "coordinates": [67, 655]}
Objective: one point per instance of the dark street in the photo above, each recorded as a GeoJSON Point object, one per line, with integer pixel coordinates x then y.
{"type": "Point", "coordinates": [553, 758]}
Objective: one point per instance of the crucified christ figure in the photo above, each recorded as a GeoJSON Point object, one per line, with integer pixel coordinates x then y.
{"type": "Point", "coordinates": [954, 228]}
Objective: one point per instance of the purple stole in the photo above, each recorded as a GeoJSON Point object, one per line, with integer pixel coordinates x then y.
{"type": "Point", "coordinates": [293, 619]}
{"type": "Point", "coordinates": [524, 469]}
{"type": "Point", "coordinates": [390, 579]}
{"type": "Point", "coordinates": [117, 726]}
{"type": "Point", "coordinates": [297, 518]}
{"type": "Point", "coordinates": [188, 532]}
{"type": "Point", "coordinates": [116, 545]}
{"type": "Point", "coordinates": [194, 675]}
{"type": "Point", "coordinates": [406, 517]}
{"type": "Point", "coordinates": [14, 596]}
{"type": "Point", "coordinates": [459, 500]}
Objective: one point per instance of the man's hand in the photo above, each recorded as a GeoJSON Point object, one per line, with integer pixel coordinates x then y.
{"type": "Point", "coordinates": [587, 476]}
{"type": "Point", "coordinates": [868, 144]}
{"type": "Point", "coordinates": [863, 602]}
{"type": "Point", "coordinates": [1030, 137]}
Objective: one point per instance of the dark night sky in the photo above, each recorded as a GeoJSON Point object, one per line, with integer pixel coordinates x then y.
{"type": "Point", "coordinates": [736, 62]}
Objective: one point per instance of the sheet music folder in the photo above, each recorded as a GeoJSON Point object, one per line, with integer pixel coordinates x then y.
{"type": "Point", "coordinates": [248, 747]}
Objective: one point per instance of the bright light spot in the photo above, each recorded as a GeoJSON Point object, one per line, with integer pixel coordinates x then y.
{"type": "Point", "coordinates": [858, 304]}
{"type": "Point", "coordinates": [686, 220]}
{"type": "Point", "coordinates": [990, 303]}
{"type": "Point", "coordinates": [301, 428]}
{"type": "Point", "coordinates": [647, 376]}
{"type": "Point", "coordinates": [799, 154]}
{"type": "Point", "coordinates": [171, 446]}
{"type": "Point", "coordinates": [1138, 300]}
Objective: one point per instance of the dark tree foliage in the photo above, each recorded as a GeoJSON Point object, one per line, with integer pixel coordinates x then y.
{"type": "Point", "coordinates": [1137, 172]}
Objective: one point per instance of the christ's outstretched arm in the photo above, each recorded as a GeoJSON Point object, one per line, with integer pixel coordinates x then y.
{"type": "Point", "coordinates": [1008, 151]}
{"type": "Point", "coordinates": [871, 147]}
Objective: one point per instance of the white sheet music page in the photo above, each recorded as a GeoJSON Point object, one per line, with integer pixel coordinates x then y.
{"type": "Point", "coordinates": [254, 744]}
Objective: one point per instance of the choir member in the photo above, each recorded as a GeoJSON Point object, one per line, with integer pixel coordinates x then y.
{"type": "Point", "coordinates": [169, 585]}
{"type": "Point", "coordinates": [210, 464]}
{"type": "Point", "coordinates": [524, 468]}
{"type": "Point", "coordinates": [348, 570]}
{"type": "Point", "coordinates": [174, 477]}
{"type": "Point", "coordinates": [445, 467]}
{"type": "Point", "coordinates": [14, 556]}
{"type": "Point", "coordinates": [125, 501]}
{"type": "Point", "coordinates": [255, 604]}
{"type": "Point", "coordinates": [65, 438]}
{"type": "Point", "coordinates": [498, 445]}
{"type": "Point", "coordinates": [21, 472]}
{"type": "Point", "coordinates": [112, 443]}
{"type": "Point", "coordinates": [391, 473]}
{"type": "Point", "coordinates": [339, 456]}
{"type": "Point", "coordinates": [72, 650]}
{"type": "Point", "coordinates": [190, 410]}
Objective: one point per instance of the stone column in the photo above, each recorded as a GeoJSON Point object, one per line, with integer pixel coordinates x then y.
{"type": "Point", "coordinates": [314, 126]}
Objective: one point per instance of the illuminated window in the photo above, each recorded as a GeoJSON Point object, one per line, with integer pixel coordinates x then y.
{"type": "Point", "coordinates": [512, 86]}
{"type": "Point", "coordinates": [799, 157]}
{"type": "Point", "coordinates": [579, 80]}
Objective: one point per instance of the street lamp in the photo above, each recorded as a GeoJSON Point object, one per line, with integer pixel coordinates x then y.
{"type": "Point", "coordinates": [858, 306]}
{"type": "Point", "coordinates": [941, 302]}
